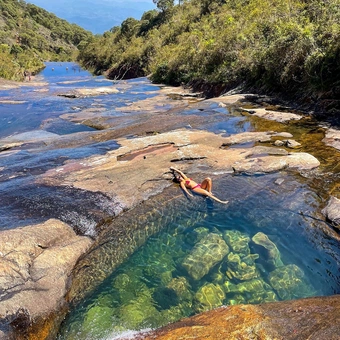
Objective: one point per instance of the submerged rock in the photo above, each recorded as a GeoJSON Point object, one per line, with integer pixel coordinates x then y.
{"type": "Point", "coordinates": [182, 288]}
{"type": "Point", "coordinates": [209, 251]}
{"type": "Point", "coordinates": [252, 286]}
{"type": "Point", "coordinates": [97, 324]}
{"type": "Point", "coordinates": [332, 211]}
{"type": "Point", "coordinates": [237, 241]}
{"type": "Point", "coordinates": [196, 235]}
{"type": "Point", "coordinates": [208, 297]}
{"type": "Point", "coordinates": [252, 291]}
{"type": "Point", "coordinates": [274, 256]}
{"type": "Point", "coordinates": [288, 282]}
{"type": "Point", "coordinates": [242, 268]}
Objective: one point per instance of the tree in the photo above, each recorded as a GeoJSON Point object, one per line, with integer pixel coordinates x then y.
{"type": "Point", "coordinates": [164, 5]}
{"type": "Point", "coordinates": [129, 27]}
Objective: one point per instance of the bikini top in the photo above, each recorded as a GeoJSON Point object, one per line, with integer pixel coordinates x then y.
{"type": "Point", "coordinates": [188, 181]}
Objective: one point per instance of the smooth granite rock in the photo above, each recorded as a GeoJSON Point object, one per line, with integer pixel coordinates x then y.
{"type": "Point", "coordinates": [311, 318]}
{"type": "Point", "coordinates": [332, 211]}
{"type": "Point", "coordinates": [35, 265]}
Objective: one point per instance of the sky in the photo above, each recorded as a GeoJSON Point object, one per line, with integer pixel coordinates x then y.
{"type": "Point", "coordinates": [96, 16]}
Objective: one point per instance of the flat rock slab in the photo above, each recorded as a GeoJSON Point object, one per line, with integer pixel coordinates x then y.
{"type": "Point", "coordinates": [35, 264]}
{"type": "Point", "coordinates": [332, 138]}
{"type": "Point", "coordinates": [144, 163]}
{"type": "Point", "coordinates": [332, 211]}
{"type": "Point", "coordinates": [97, 91]}
{"type": "Point", "coordinates": [278, 116]}
{"type": "Point", "coordinates": [12, 102]}
{"type": "Point", "coordinates": [267, 164]}
{"type": "Point", "coordinates": [313, 319]}
{"type": "Point", "coordinates": [8, 146]}
{"type": "Point", "coordinates": [31, 136]}
{"type": "Point", "coordinates": [250, 137]}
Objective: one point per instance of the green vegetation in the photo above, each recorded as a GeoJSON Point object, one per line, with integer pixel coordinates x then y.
{"type": "Point", "coordinates": [272, 45]}
{"type": "Point", "coordinates": [29, 35]}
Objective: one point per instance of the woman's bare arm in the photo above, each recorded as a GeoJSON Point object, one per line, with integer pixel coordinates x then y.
{"type": "Point", "coordinates": [179, 171]}
{"type": "Point", "coordinates": [185, 188]}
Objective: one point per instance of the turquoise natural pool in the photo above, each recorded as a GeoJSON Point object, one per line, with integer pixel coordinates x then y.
{"type": "Point", "coordinates": [209, 255]}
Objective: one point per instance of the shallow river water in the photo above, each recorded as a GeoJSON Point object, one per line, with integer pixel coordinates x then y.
{"type": "Point", "coordinates": [267, 244]}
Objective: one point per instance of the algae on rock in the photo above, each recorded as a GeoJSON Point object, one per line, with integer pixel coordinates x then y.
{"type": "Point", "coordinates": [209, 251]}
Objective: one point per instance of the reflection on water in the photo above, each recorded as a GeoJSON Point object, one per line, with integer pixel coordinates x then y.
{"type": "Point", "coordinates": [259, 248]}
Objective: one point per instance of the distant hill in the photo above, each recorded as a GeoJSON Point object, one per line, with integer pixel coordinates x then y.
{"type": "Point", "coordinates": [96, 16]}
{"type": "Point", "coordinates": [29, 35]}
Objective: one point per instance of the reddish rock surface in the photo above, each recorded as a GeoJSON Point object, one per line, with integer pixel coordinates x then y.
{"type": "Point", "coordinates": [313, 319]}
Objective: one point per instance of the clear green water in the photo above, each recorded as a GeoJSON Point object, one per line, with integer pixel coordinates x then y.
{"type": "Point", "coordinates": [264, 246]}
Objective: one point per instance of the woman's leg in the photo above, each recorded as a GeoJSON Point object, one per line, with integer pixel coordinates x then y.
{"type": "Point", "coordinates": [208, 194]}
{"type": "Point", "coordinates": [207, 184]}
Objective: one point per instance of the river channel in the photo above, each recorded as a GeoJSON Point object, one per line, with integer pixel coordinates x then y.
{"type": "Point", "coordinates": [200, 254]}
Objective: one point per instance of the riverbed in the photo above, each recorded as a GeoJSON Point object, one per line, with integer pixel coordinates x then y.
{"type": "Point", "coordinates": [72, 146]}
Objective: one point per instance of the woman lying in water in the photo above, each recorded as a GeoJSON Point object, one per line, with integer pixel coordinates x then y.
{"type": "Point", "coordinates": [203, 189]}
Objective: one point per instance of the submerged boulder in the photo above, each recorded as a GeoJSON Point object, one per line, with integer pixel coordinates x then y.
{"type": "Point", "coordinates": [288, 282]}
{"type": "Point", "coordinates": [209, 251]}
{"type": "Point", "coordinates": [181, 287]}
{"type": "Point", "coordinates": [140, 312]}
{"type": "Point", "coordinates": [252, 291]}
{"type": "Point", "coordinates": [251, 286]}
{"type": "Point", "coordinates": [208, 297]}
{"type": "Point", "coordinates": [196, 235]}
{"type": "Point", "coordinates": [97, 323]}
{"type": "Point", "coordinates": [237, 241]}
{"type": "Point", "coordinates": [242, 267]}
{"type": "Point", "coordinates": [274, 256]}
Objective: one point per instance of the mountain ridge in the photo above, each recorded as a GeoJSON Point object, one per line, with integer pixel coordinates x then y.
{"type": "Point", "coordinates": [30, 35]}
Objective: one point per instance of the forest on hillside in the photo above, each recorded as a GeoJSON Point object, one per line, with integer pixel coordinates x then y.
{"type": "Point", "coordinates": [286, 46]}
{"type": "Point", "coordinates": [30, 35]}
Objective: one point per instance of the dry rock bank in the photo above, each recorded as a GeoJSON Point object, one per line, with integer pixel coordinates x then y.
{"type": "Point", "coordinates": [313, 318]}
